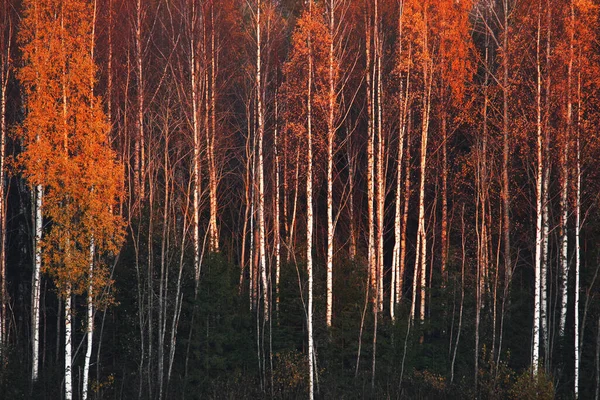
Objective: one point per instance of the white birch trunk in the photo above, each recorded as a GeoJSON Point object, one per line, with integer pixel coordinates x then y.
{"type": "Point", "coordinates": [370, 167]}
{"type": "Point", "coordinates": [90, 296]}
{"type": "Point", "coordinates": [330, 138]}
{"type": "Point", "coordinates": [577, 349]}
{"type": "Point", "coordinates": [309, 221]}
{"type": "Point", "coordinates": [196, 157]}
{"type": "Point", "coordinates": [68, 346]}
{"type": "Point", "coordinates": [36, 282]}
{"type": "Point", "coordinates": [538, 230]}
{"type": "Point", "coordinates": [545, 201]}
{"type": "Point", "coordinates": [399, 222]}
{"type": "Point", "coordinates": [90, 323]}
{"type": "Point", "coordinates": [396, 285]}
{"type": "Point", "coordinates": [35, 285]}
{"type": "Point", "coordinates": [380, 163]}
{"type": "Point", "coordinates": [564, 201]}
{"type": "Point", "coordinates": [261, 180]}
{"type": "Point", "coordinates": [407, 191]}
{"type": "Point", "coordinates": [277, 222]}
{"type": "Point", "coordinates": [421, 261]}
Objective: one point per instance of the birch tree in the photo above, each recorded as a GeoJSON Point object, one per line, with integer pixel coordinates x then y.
{"type": "Point", "coordinates": [66, 138]}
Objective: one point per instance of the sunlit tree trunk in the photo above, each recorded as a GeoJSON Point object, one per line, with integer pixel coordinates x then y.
{"type": "Point", "coordinates": [421, 258]}
{"type": "Point", "coordinates": [330, 140]}
{"type": "Point", "coordinates": [538, 226]}
{"type": "Point", "coordinates": [309, 219]}
{"type": "Point", "coordinates": [196, 103]}
{"type": "Point", "coordinates": [211, 156]}
{"type": "Point", "coordinates": [260, 171]}
{"type": "Point", "coordinates": [397, 262]}
{"type": "Point", "coordinates": [370, 161]}
{"type": "Point", "coordinates": [407, 193]}
{"type": "Point", "coordinates": [505, 193]}
{"type": "Point", "coordinates": [139, 146]}
{"type": "Point", "coordinates": [380, 178]}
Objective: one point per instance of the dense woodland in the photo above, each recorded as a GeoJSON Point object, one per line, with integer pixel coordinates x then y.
{"type": "Point", "coordinates": [292, 199]}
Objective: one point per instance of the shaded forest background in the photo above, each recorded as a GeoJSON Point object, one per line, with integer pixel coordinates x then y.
{"type": "Point", "coordinates": [406, 189]}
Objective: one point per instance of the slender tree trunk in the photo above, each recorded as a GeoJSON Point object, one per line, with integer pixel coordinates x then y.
{"type": "Point", "coordinates": [213, 229]}
{"type": "Point", "coordinates": [291, 237]}
{"type": "Point", "coordinates": [397, 265]}
{"type": "Point", "coordinates": [330, 139]}
{"type": "Point", "coordinates": [164, 266]}
{"type": "Point", "coordinates": [178, 294]}
{"type": "Point", "coordinates": [444, 234]}
{"type": "Point", "coordinates": [309, 221]}
{"type": "Point", "coordinates": [139, 151]}
{"type": "Point", "coordinates": [196, 99]}
{"type": "Point", "coordinates": [261, 180]}
{"type": "Point", "coordinates": [380, 182]}
{"type": "Point", "coordinates": [90, 322]}
{"type": "Point", "coordinates": [407, 192]}
{"type": "Point", "coordinates": [370, 162]}
{"type": "Point", "coordinates": [478, 280]}
{"type": "Point", "coordinates": [421, 260]}
{"type": "Point", "coordinates": [505, 194]}
{"type": "Point", "coordinates": [36, 281]}
{"type": "Point", "coordinates": [577, 349]}
{"type": "Point", "coordinates": [90, 294]}
{"type": "Point", "coordinates": [276, 201]}
{"type": "Point", "coordinates": [539, 195]}
{"type": "Point", "coordinates": [380, 159]}
{"type": "Point", "coordinates": [68, 346]}
{"type": "Point", "coordinates": [564, 202]}
{"type": "Point", "coordinates": [546, 322]}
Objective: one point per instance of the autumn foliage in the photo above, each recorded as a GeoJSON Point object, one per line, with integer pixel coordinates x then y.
{"type": "Point", "coordinates": [65, 136]}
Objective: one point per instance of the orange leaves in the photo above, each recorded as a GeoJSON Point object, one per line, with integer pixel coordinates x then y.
{"type": "Point", "coordinates": [65, 136]}
{"type": "Point", "coordinates": [439, 33]}
{"type": "Point", "coordinates": [311, 28]}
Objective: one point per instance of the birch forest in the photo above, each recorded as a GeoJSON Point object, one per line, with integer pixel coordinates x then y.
{"type": "Point", "coordinates": [281, 199]}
